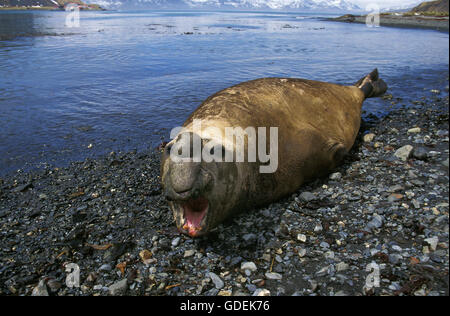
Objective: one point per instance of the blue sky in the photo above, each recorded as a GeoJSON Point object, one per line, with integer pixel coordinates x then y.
{"type": "Point", "coordinates": [384, 3]}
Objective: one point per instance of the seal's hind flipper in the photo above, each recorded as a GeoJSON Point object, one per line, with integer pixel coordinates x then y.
{"type": "Point", "coordinates": [372, 85]}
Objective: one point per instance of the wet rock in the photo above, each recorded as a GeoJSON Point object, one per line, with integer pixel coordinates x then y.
{"type": "Point", "coordinates": [395, 197]}
{"type": "Point", "coordinates": [436, 258]}
{"type": "Point", "coordinates": [40, 289]}
{"type": "Point", "coordinates": [273, 276]}
{"type": "Point", "coordinates": [236, 260]}
{"type": "Point", "coordinates": [414, 130]}
{"type": "Point", "coordinates": [420, 153]}
{"type": "Point", "coordinates": [85, 128]}
{"type": "Point", "coordinates": [251, 288]}
{"type": "Point", "coordinates": [117, 250]}
{"type": "Point", "coordinates": [342, 266]}
{"type": "Point", "coordinates": [224, 293]}
{"type": "Point", "coordinates": [249, 237]}
{"type": "Point", "coordinates": [176, 241]}
{"type": "Point", "coordinates": [91, 277]}
{"type": "Point", "coordinates": [396, 188]}
{"type": "Point", "coordinates": [119, 287]}
{"type": "Point", "coordinates": [301, 237]}
{"type": "Point", "coordinates": [146, 256]}
{"type": "Point", "coordinates": [307, 196]}
{"type": "Point", "coordinates": [251, 266]}
{"type": "Point", "coordinates": [218, 283]}
{"type": "Point", "coordinates": [368, 137]}
{"type": "Point", "coordinates": [322, 272]}
{"type": "Point", "coordinates": [318, 228]}
{"type": "Point", "coordinates": [301, 252]}
{"type": "Point", "coordinates": [375, 223]}
{"type": "Point", "coordinates": [396, 248]}
{"type": "Point", "coordinates": [3, 213]}
{"type": "Point", "coordinates": [335, 176]}
{"type": "Point", "coordinates": [329, 255]}
{"type": "Point", "coordinates": [105, 267]}
{"type": "Point", "coordinates": [261, 292]}
{"type": "Point", "coordinates": [434, 154]}
{"type": "Point", "coordinates": [395, 258]}
{"type": "Point", "coordinates": [314, 285]}
{"type": "Point", "coordinates": [403, 153]}
{"type": "Point", "coordinates": [445, 163]}
{"type": "Point", "coordinates": [23, 188]}
{"type": "Point", "coordinates": [433, 242]}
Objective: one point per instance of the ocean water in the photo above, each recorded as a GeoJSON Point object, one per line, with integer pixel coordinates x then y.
{"type": "Point", "coordinates": [122, 80]}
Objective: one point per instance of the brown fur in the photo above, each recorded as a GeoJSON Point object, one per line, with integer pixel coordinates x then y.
{"type": "Point", "coordinates": [317, 125]}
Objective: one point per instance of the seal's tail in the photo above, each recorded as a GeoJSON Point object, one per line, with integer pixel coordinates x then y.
{"type": "Point", "coordinates": [372, 85]}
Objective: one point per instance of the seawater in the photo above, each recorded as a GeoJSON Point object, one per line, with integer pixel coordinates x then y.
{"type": "Point", "coordinates": [124, 79]}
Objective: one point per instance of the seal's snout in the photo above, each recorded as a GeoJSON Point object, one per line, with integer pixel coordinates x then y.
{"type": "Point", "coordinates": [186, 184]}
{"type": "Point", "coordinates": [183, 179]}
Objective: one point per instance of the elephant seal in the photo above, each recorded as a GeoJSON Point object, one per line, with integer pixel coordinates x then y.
{"type": "Point", "coordinates": [315, 125]}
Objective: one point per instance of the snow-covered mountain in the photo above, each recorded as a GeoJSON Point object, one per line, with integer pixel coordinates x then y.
{"type": "Point", "coordinates": [335, 5]}
{"type": "Point", "coordinates": [399, 7]}
{"type": "Point", "coordinates": [278, 4]}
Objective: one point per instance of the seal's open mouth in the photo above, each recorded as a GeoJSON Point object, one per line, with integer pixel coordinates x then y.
{"type": "Point", "coordinates": [194, 212]}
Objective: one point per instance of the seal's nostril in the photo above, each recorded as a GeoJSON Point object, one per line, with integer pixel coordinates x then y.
{"type": "Point", "coordinates": [168, 198]}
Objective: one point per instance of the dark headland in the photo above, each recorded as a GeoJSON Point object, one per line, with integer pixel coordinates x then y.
{"type": "Point", "coordinates": [429, 15]}
{"type": "Point", "coordinates": [46, 5]}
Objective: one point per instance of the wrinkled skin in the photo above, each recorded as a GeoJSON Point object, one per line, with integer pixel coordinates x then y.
{"type": "Point", "coordinates": [317, 125]}
{"type": "Point", "coordinates": [189, 183]}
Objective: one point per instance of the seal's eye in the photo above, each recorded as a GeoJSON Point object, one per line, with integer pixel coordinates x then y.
{"type": "Point", "coordinates": [167, 149]}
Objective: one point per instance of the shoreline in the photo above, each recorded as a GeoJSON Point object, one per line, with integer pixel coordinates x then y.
{"type": "Point", "coordinates": [424, 22]}
{"type": "Point", "coordinates": [386, 204]}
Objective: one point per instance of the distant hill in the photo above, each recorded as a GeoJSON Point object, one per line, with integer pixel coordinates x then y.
{"type": "Point", "coordinates": [44, 3]}
{"type": "Point", "coordinates": [27, 3]}
{"type": "Point", "coordinates": [432, 6]}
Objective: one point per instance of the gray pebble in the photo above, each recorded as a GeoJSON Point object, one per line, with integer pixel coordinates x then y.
{"type": "Point", "coordinates": [420, 153]}
{"type": "Point", "coordinates": [251, 266]}
{"type": "Point", "coordinates": [176, 241]}
{"type": "Point", "coordinates": [40, 289]}
{"type": "Point", "coordinates": [403, 153]}
{"type": "Point", "coordinates": [105, 267]}
{"type": "Point", "coordinates": [118, 288]}
{"type": "Point", "coordinates": [218, 283]}
{"type": "Point", "coordinates": [335, 176]}
{"type": "Point", "coordinates": [307, 196]}
{"type": "Point", "coordinates": [261, 292]}
{"type": "Point", "coordinates": [273, 276]}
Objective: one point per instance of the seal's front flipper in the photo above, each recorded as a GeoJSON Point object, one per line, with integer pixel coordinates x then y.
{"type": "Point", "coordinates": [372, 85]}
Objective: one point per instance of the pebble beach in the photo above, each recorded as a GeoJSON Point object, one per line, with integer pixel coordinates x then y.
{"type": "Point", "coordinates": [381, 216]}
